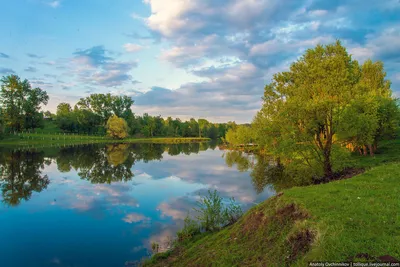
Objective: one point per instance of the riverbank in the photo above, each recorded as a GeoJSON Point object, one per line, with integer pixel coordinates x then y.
{"type": "Point", "coordinates": [354, 219]}
{"type": "Point", "coordinates": [32, 139]}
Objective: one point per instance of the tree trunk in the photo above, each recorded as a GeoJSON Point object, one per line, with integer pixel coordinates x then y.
{"type": "Point", "coordinates": [371, 150]}
{"type": "Point", "coordinates": [365, 152]}
{"type": "Point", "coordinates": [327, 164]}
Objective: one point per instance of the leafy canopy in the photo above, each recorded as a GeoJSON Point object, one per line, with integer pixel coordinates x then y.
{"type": "Point", "coordinates": [117, 127]}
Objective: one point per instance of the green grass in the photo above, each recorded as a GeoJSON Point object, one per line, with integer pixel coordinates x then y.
{"type": "Point", "coordinates": [52, 135]}
{"type": "Point", "coordinates": [337, 221]}
{"type": "Point", "coordinates": [50, 127]}
{"type": "Point", "coordinates": [31, 139]}
{"type": "Point", "coordinates": [388, 151]}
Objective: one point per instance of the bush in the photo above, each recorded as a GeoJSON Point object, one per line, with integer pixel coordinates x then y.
{"type": "Point", "coordinates": [117, 128]}
{"type": "Point", "coordinates": [190, 229]}
{"type": "Point", "coordinates": [213, 214]}
{"type": "Point", "coordinates": [232, 212]}
{"type": "Point", "coordinates": [155, 247]}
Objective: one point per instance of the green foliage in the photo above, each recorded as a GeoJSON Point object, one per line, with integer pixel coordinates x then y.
{"type": "Point", "coordinates": [189, 230]}
{"type": "Point", "coordinates": [240, 135]}
{"type": "Point", "coordinates": [155, 247]}
{"type": "Point", "coordinates": [105, 105]}
{"type": "Point", "coordinates": [337, 230]}
{"type": "Point", "coordinates": [323, 103]}
{"type": "Point", "coordinates": [213, 214]}
{"type": "Point", "coordinates": [21, 104]}
{"type": "Point", "coordinates": [210, 209]}
{"type": "Point", "coordinates": [117, 128]}
{"type": "Point", "coordinates": [232, 212]}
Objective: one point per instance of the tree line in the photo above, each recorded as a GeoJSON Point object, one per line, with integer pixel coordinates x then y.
{"type": "Point", "coordinates": [324, 107]}
{"type": "Point", "coordinates": [21, 110]}
{"type": "Point", "coordinates": [101, 113]}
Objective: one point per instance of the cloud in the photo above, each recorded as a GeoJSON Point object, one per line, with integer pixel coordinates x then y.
{"type": "Point", "coordinates": [92, 57]}
{"type": "Point", "coordinates": [6, 71]}
{"type": "Point", "coordinates": [151, 37]}
{"type": "Point", "coordinates": [174, 211]}
{"type": "Point", "coordinates": [263, 37]}
{"type": "Point", "coordinates": [34, 56]}
{"type": "Point", "coordinates": [54, 4]}
{"type": "Point", "coordinates": [2, 55]}
{"type": "Point", "coordinates": [134, 218]}
{"type": "Point", "coordinates": [96, 66]}
{"type": "Point", "coordinates": [30, 69]}
{"type": "Point", "coordinates": [132, 48]}
{"type": "Point", "coordinates": [231, 92]}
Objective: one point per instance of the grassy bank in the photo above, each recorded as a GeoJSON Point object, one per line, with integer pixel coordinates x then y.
{"type": "Point", "coordinates": [347, 220]}
{"type": "Point", "coordinates": [28, 139]}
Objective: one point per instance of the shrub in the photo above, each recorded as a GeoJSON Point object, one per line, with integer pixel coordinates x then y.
{"type": "Point", "coordinates": [117, 128]}
{"type": "Point", "coordinates": [213, 214]}
{"type": "Point", "coordinates": [190, 229]}
{"type": "Point", "coordinates": [155, 247]}
{"type": "Point", "coordinates": [232, 212]}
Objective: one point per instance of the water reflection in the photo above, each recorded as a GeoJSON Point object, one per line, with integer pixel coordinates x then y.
{"type": "Point", "coordinates": [265, 172]}
{"type": "Point", "coordinates": [127, 195]}
{"type": "Point", "coordinates": [21, 175]}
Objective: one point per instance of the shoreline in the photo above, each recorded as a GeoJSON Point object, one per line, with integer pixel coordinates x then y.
{"type": "Point", "coordinates": [49, 140]}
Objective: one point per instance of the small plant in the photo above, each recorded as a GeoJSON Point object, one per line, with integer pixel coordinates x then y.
{"type": "Point", "coordinates": [155, 247]}
{"type": "Point", "coordinates": [213, 214]}
{"type": "Point", "coordinates": [190, 229]}
{"type": "Point", "coordinates": [211, 211]}
{"type": "Point", "coordinates": [233, 212]}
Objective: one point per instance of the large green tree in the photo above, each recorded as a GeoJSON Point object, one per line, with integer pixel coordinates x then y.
{"type": "Point", "coordinates": [105, 105]}
{"type": "Point", "coordinates": [322, 102]}
{"type": "Point", "coordinates": [21, 103]}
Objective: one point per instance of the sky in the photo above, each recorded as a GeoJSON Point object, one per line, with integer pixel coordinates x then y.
{"type": "Point", "coordinates": [185, 58]}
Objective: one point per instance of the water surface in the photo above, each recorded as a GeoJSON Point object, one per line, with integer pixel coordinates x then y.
{"type": "Point", "coordinates": [103, 205]}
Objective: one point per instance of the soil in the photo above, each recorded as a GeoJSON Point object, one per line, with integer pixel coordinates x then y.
{"type": "Point", "coordinates": [345, 174]}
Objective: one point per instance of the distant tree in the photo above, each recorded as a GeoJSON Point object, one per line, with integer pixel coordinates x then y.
{"type": "Point", "coordinates": [48, 115]}
{"type": "Point", "coordinates": [21, 104]}
{"type": "Point", "coordinates": [105, 105]}
{"type": "Point", "coordinates": [34, 99]}
{"type": "Point", "coordinates": [203, 127]}
{"type": "Point", "coordinates": [213, 132]}
{"type": "Point", "coordinates": [117, 127]}
{"type": "Point", "coordinates": [240, 135]}
{"type": "Point", "coordinates": [194, 127]}
{"type": "Point", "coordinates": [65, 117]}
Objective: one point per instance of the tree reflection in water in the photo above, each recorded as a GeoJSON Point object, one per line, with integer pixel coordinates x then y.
{"type": "Point", "coordinates": [265, 172]}
{"type": "Point", "coordinates": [21, 170]}
{"type": "Point", "coordinates": [21, 174]}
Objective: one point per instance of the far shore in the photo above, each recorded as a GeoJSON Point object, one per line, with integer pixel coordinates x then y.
{"type": "Point", "coordinates": [47, 139]}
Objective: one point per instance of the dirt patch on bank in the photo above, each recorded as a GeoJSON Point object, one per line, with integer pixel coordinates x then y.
{"type": "Point", "coordinates": [299, 244]}
{"type": "Point", "coordinates": [345, 174]}
{"type": "Point", "coordinates": [290, 213]}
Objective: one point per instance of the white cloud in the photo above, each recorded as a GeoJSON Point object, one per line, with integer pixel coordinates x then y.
{"type": "Point", "coordinates": [275, 46]}
{"type": "Point", "coordinates": [135, 217]}
{"type": "Point", "coordinates": [131, 48]}
{"type": "Point", "coordinates": [318, 12]}
{"type": "Point", "coordinates": [168, 16]}
{"type": "Point", "coordinates": [54, 4]}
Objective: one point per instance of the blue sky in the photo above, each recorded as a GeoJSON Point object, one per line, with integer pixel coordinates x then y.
{"type": "Point", "coordinates": [193, 58]}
